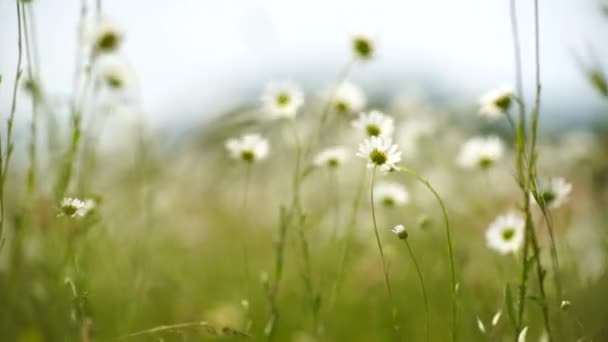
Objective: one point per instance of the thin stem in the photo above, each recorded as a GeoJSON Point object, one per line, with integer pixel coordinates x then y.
{"type": "Point", "coordinates": [446, 221]}
{"type": "Point", "coordinates": [426, 301]}
{"type": "Point", "coordinates": [379, 243]}
{"type": "Point", "coordinates": [180, 326]}
{"type": "Point", "coordinates": [9, 129]}
{"type": "Point", "coordinates": [246, 266]}
{"type": "Point", "coordinates": [35, 95]}
{"type": "Point", "coordinates": [335, 188]}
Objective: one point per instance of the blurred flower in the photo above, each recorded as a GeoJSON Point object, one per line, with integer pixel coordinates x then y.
{"type": "Point", "coordinates": [249, 148]}
{"type": "Point", "coordinates": [495, 103]}
{"type": "Point", "coordinates": [390, 194]}
{"type": "Point", "coordinates": [480, 152]}
{"type": "Point", "coordinates": [106, 37]}
{"type": "Point", "coordinates": [375, 124]}
{"type": "Point", "coordinates": [114, 74]}
{"type": "Point", "coordinates": [363, 47]}
{"type": "Point", "coordinates": [380, 152]}
{"type": "Point", "coordinates": [565, 305]}
{"type": "Point", "coordinates": [74, 207]}
{"type": "Point", "coordinates": [506, 233]}
{"type": "Point", "coordinates": [552, 192]}
{"type": "Point", "coordinates": [400, 231]}
{"type": "Point", "coordinates": [282, 99]}
{"type": "Point", "coordinates": [331, 157]}
{"type": "Point", "coordinates": [348, 98]}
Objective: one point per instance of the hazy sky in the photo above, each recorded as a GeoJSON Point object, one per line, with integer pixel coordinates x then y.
{"type": "Point", "coordinates": [193, 56]}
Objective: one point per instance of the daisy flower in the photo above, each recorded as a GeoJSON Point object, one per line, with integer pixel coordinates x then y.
{"type": "Point", "coordinates": [552, 192]}
{"type": "Point", "coordinates": [74, 207]}
{"type": "Point", "coordinates": [331, 157]}
{"type": "Point", "coordinates": [389, 194]}
{"type": "Point", "coordinates": [363, 47]}
{"type": "Point", "coordinates": [282, 99]}
{"type": "Point", "coordinates": [348, 98]}
{"type": "Point", "coordinates": [400, 231]}
{"type": "Point", "coordinates": [496, 103]}
{"type": "Point", "coordinates": [106, 36]}
{"type": "Point", "coordinates": [506, 234]}
{"type": "Point", "coordinates": [380, 152]}
{"type": "Point", "coordinates": [480, 152]}
{"type": "Point", "coordinates": [115, 74]}
{"type": "Point", "coordinates": [375, 124]}
{"type": "Point", "coordinates": [249, 147]}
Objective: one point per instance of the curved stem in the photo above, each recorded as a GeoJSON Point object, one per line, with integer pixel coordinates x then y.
{"type": "Point", "coordinates": [384, 268]}
{"type": "Point", "coordinates": [426, 301]}
{"type": "Point", "coordinates": [449, 243]}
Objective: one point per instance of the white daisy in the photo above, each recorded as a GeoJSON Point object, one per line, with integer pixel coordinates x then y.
{"type": "Point", "coordinates": [480, 152]}
{"type": "Point", "coordinates": [380, 152]}
{"type": "Point", "coordinates": [480, 325]}
{"type": "Point", "coordinates": [496, 318]}
{"type": "Point", "coordinates": [400, 231]}
{"type": "Point", "coordinates": [348, 98]}
{"type": "Point", "coordinates": [282, 99]}
{"type": "Point", "coordinates": [375, 124]}
{"type": "Point", "coordinates": [363, 47]}
{"type": "Point", "coordinates": [114, 74]}
{"type": "Point", "coordinates": [331, 157]}
{"type": "Point", "coordinates": [106, 36]}
{"type": "Point", "coordinates": [496, 103]}
{"type": "Point", "coordinates": [390, 194]}
{"type": "Point", "coordinates": [74, 207]}
{"type": "Point", "coordinates": [552, 192]}
{"type": "Point", "coordinates": [506, 234]}
{"type": "Point", "coordinates": [249, 148]}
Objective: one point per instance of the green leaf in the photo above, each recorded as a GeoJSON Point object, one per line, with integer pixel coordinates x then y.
{"type": "Point", "coordinates": [510, 303]}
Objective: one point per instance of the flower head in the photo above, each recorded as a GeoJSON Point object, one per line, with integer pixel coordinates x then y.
{"type": "Point", "coordinates": [380, 152]}
{"type": "Point", "coordinates": [74, 207]}
{"type": "Point", "coordinates": [114, 74]}
{"type": "Point", "coordinates": [282, 99]}
{"type": "Point", "coordinates": [496, 103]}
{"type": "Point", "coordinates": [348, 98]}
{"type": "Point", "coordinates": [480, 152]}
{"type": "Point", "coordinates": [331, 157]}
{"type": "Point", "coordinates": [506, 233]}
{"type": "Point", "coordinates": [375, 124]}
{"type": "Point", "coordinates": [363, 47]}
{"type": "Point", "coordinates": [390, 194]}
{"type": "Point", "coordinates": [249, 148]}
{"type": "Point", "coordinates": [552, 192]}
{"type": "Point", "coordinates": [400, 231]}
{"type": "Point", "coordinates": [107, 37]}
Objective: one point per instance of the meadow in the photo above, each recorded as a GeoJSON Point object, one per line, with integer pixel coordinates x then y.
{"type": "Point", "coordinates": [310, 215]}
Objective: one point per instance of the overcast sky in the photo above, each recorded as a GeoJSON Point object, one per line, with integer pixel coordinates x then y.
{"type": "Point", "coordinates": [193, 56]}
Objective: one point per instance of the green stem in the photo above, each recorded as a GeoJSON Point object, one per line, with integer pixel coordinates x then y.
{"type": "Point", "coordinates": [446, 221]}
{"type": "Point", "coordinates": [379, 243]}
{"type": "Point", "coordinates": [426, 301]}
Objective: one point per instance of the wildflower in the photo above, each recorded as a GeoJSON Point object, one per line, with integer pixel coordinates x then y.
{"type": "Point", "coordinates": [107, 37]}
{"type": "Point", "coordinates": [74, 207]}
{"type": "Point", "coordinates": [363, 47]}
{"type": "Point", "coordinates": [331, 157]}
{"type": "Point", "coordinates": [495, 103]}
{"type": "Point", "coordinates": [506, 233]}
{"type": "Point", "coordinates": [565, 305]}
{"type": "Point", "coordinates": [375, 124]}
{"type": "Point", "coordinates": [249, 148]}
{"type": "Point", "coordinates": [480, 152]}
{"type": "Point", "coordinates": [390, 194]}
{"type": "Point", "coordinates": [348, 98]}
{"type": "Point", "coordinates": [114, 74]}
{"type": "Point", "coordinates": [552, 192]}
{"type": "Point", "coordinates": [282, 99]}
{"type": "Point", "coordinates": [380, 152]}
{"type": "Point", "coordinates": [400, 231]}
